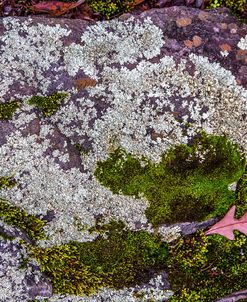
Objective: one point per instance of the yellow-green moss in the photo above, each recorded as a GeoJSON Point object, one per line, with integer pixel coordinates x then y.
{"type": "Point", "coordinates": [13, 215]}
{"type": "Point", "coordinates": [48, 104]}
{"type": "Point", "coordinates": [204, 268]}
{"type": "Point", "coordinates": [6, 181]}
{"type": "Point", "coordinates": [110, 8]}
{"type": "Point", "coordinates": [236, 6]}
{"type": "Point", "coordinates": [7, 109]}
{"type": "Point", "coordinates": [124, 258]}
{"type": "Point", "coordinates": [190, 183]}
{"type": "Point", "coordinates": [83, 151]}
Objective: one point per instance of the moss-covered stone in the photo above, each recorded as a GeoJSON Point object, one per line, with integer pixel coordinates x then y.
{"type": "Point", "coordinates": [204, 268]}
{"type": "Point", "coordinates": [7, 109]}
{"type": "Point", "coordinates": [190, 183]}
{"type": "Point", "coordinates": [124, 258]}
{"type": "Point", "coordinates": [110, 8]}
{"type": "Point", "coordinates": [48, 104]}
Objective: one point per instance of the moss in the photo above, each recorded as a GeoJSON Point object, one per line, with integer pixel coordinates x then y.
{"type": "Point", "coordinates": [190, 183]}
{"type": "Point", "coordinates": [48, 104]}
{"type": "Point", "coordinates": [110, 8]}
{"type": "Point", "coordinates": [5, 236]}
{"type": "Point", "coordinates": [241, 195]}
{"type": "Point", "coordinates": [7, 109]}
{"type": "Point", "coordinates": [13, 215]}
{"type": "Point", "coordinates": [7, 182]}
{"type": "Point", "coordinates": [204, 268]}
{"type": "Point", "coordinates": [124, 258]}
{"type": "Point", "coordinates": [83, 151]}
{"type": "Point", "coordinates": [236, 6]}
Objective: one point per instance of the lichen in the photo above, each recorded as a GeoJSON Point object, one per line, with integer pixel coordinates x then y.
{"type": "Point", "coordinates": [202, 268]}
{"type": "Point", "coordinates": [7, 109]}
{"type": "Point", "coordinates": [190, 183]}
{"type": "Point", "coordinates": [118, 258]}
{"type": "Point", "coordinates": [48, 104]}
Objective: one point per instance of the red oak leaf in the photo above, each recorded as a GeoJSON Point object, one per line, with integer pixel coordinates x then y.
{"type": "Point", "coordinates": [228, 224]}
{"type": "Point", "coordinates": [56, 8]}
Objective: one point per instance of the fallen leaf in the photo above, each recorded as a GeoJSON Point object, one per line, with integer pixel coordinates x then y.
{"type": "Point", "coordinates": [228, 224]}
{"type": "Point", "coordinates": [85, 82]}
{"type": "Point", "coordinates": [55, 8]}
{"type": "Point", "coordinates": [136, 2]}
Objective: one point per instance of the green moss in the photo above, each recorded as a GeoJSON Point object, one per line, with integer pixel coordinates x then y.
{"type": "Point", "coordinates": [190, 183]}
{"type": "Point", "coordinates": [48, 104]}
{"type": "Point", "coordinates": [7, 109]}
{"type": "Point", "coordinates": [7, 182]}
{"type": "Point", "coordinates": [241, 195]}
{"type": "Point", "coordinates": [5, 236]}
{"type": "Point", "coordinates": [124, 258]}
{"type": "Point", "coordinates": [204, 268]}
{"type": "Point", "coordinates": [110, 8]}
{"type": "Point", "coordinates": [236, 6]}
{"type": "Point", "coordinates": [83, 151]}
{"type": "Point", "coordinates": [13, 215]}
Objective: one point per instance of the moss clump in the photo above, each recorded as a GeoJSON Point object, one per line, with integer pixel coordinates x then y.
{"type": "Point", "coordinates": [7, 182]}
{"type": "Point", "coordinates": [190, 183]}
{"type": "Point", "coordinates": [204, 268]}
{"type": "Point", "coordinates": [236, 6]}
{"type": "Point", "coordinates": [13, 215]}
{"type": "Point", "coordinates": [7, 109]}
{"type": "Point", "coordinates": [83, 151]}
{"type": "Point", "coordinates": [110, 8]}
{"type": "Point", "coordinates": [241, 195]}
{"type": "Point", "coordinates": [124, 258]}
{"type": "Point", "coordinates": [48, 104]}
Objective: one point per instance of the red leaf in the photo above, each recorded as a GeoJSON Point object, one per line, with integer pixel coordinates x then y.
{"type": "Point", "coordinates": [228, 224]}
{"type": "Point", "coordinates": [55, 8]}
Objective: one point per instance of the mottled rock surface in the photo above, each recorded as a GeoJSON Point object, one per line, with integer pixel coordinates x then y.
{"type": "Point", "coordinates": [143, 82]}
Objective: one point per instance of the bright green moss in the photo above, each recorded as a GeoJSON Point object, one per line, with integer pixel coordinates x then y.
{"type": "Point", "coordinates": [7, 109]}
{"type": "Point", "coordinates": [124, 258]}
{"type": "Point", "coordinates": [241, 195]}
{"type": "Point", "coordinates": [48, 104]}
{"type": "Point", "coordinates": [190, 183]}
{"type": "Point", "coordinates": [236, 6]}
{"type": "Point", "coordinates": [110, 8]}
{"type": "Point", "coordinates": [204, 268]}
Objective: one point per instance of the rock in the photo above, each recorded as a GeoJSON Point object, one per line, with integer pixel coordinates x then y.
{"type": "Point", "coordinates": [144, 82]}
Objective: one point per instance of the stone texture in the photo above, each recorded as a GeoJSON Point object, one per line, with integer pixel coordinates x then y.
{"type": "Point", "coordinates": [135, 82]}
